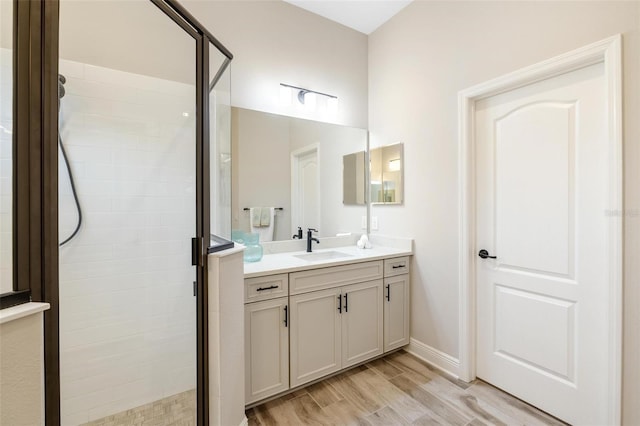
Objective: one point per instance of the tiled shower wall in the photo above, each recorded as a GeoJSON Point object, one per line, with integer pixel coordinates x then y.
{"type": "Point", "coordinates": [127, 310]}
{"type": "Point", "coordinates": [6, 83]}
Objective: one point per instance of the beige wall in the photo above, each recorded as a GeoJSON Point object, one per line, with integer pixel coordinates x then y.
{"type": "Point", "coordinates": [274, 42]}
{"type": "Point", "coordinates": [260, 143]}
{"type": "Point", "coordinates": [133, 36]}
{"type": "Point", "coordinates": [418, 62]}
{"type": "Point", "coordinates": [21, 371]}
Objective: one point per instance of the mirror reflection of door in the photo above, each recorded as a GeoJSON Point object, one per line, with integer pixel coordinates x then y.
{"type": "Point", "coordinates": [305, 194]}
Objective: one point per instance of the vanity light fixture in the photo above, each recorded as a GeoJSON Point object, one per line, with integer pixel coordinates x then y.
{"type": "Point", "coordinates": [306, 97]}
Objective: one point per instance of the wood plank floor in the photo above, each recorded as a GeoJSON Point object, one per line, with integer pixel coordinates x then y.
{"type": "Point", "coordinates": [398, 389]}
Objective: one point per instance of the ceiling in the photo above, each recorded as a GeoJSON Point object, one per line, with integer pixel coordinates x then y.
{"type": "Point", "coordinates": [361, 15]}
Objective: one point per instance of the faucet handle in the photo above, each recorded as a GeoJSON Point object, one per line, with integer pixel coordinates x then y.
{"type": "Point", "coordinates": [312, 230]}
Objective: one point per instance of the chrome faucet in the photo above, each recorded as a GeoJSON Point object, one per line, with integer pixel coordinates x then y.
{"type": "Point", "coordinates": [310, 238]}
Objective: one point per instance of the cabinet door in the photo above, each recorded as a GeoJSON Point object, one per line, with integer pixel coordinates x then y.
{"type": "Point", "coordinates": [266, 349]}
{"type": "Point", "coordinates": [396, 312]}
{"type": "Point", "coordinates": [361, 322]}
{"type": "Point", "coordinates": [315, 335]}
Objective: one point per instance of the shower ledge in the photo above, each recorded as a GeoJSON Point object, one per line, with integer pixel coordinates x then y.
{"type": "Point", "coordinates": [21, 311]}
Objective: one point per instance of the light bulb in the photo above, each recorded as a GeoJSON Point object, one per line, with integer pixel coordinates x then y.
{"type": "Point", "coordinates": [285, 95]}
{"type": "Point", "coordinates": [332, 106]}
{"type": "Point", "coordinates": [310, 102]}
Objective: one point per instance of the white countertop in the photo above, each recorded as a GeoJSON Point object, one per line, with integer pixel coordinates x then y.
{"type": "Point", "coordinates": [21, 311]}
{"type": "Point", "coordinates": [281, 263]}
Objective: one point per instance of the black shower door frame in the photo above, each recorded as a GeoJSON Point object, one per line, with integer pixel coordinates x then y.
{"type": "Point", "coordinates": [35, 165]}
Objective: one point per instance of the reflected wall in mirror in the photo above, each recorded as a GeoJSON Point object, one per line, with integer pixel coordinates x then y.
{"type": "Point", "coordinates": [353, 179]}
{"type": "Point", "coordinates": [294, 164]}
{"type": "Point", "coordinates": [386, 164]}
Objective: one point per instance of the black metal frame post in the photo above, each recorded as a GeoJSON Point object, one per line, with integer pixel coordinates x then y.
{"type": "Point", "coordinates": [35, 175]}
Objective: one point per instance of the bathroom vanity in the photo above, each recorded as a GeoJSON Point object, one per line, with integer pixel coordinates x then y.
{"type": "Point", "coordinates": [310, 315]}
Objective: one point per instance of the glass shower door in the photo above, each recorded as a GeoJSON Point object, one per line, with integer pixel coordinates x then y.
{"type": "Point", "coordinates": [220, 142]}
{"type": "Point", "coordinates": [127, 208]}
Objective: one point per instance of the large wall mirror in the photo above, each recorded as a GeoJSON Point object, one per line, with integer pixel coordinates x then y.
{"type": "Point", "coordinates": [296, 167]}
{"type": "Point", "coordinates": [386, 182]}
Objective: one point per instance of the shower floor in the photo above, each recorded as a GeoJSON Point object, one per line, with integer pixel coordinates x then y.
{"type": "Point", "coordinates": [179, 410]}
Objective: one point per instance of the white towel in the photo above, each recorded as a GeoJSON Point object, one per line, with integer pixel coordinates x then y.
{"type": "Point", "coordinates": [265, 216]}
{"type": "Point", "coordinates": [255, 214]}
{"type": "Point", "coordinates": [255, 219]}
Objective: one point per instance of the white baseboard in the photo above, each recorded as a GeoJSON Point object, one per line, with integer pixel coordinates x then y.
{"type": "Point", "coordinates": [433, 356]}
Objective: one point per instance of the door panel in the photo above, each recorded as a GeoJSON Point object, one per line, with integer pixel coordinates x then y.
{"type": "Point", "coordinates": [314, 335]}
{"type": "Point", "coordinates": [266, 349]}
{"type": "Point", "coordinates": [361, 322]}
{"type": "Point", "coordinates": [537, 134]}
{"type": "Point", "coordinates": [309, 185]}
{"type": "Point", "coordinates": [542, 195]}
{"type": "Point", "coordinates": [305, 189]}
{"type": "Point", "coordinates": [396, 312]}
{"type": "Point", "coordinates": [553, 329]}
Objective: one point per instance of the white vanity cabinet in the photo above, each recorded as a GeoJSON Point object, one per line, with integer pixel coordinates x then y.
{"type": "Point", "coordinates": [396, 303]}
{"type": "Point", "coordinates": [266, 324]}
{"type": "Point", "coordinates": [334, 329]}
{"type": "Point", "coordinates": [313, 321]}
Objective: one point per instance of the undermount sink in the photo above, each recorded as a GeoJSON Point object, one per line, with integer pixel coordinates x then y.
{"type": "Point", "coordinates": [322, 255]}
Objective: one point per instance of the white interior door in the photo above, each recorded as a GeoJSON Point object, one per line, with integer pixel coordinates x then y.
{"type": "Point", "coordinates": [541, 183]}
{"type": "Point", "coordinates": [305, 190]}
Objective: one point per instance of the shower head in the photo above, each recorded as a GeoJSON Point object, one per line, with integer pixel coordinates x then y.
{"type": "Point", "coordinates": [61, 81]}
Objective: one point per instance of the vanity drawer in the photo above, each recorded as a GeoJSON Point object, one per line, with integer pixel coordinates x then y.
{"type": "Point", "coordinates": [336, 276]}
{"type": "Point", "coordinates": [267, 287]}
{"type": "Point", "coordinates": [396, 266]}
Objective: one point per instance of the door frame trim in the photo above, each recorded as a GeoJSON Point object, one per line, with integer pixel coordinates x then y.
{"type": "Point", "coordinates": [608, 52]}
